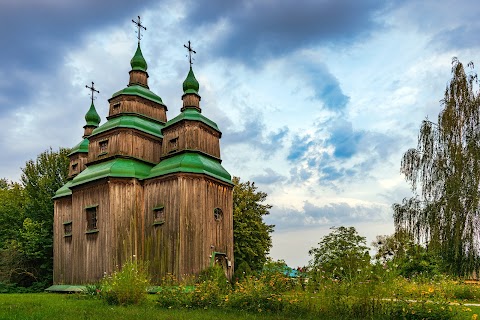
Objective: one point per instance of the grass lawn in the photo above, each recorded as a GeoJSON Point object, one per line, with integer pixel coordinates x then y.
{"type": "Point", "coordinates": [49, 306]}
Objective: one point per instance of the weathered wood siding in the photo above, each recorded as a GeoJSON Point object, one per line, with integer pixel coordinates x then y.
{"type": "Point", "coordinates": [126, 142]}
{"type": "Point", "coordinates": [86, 257]}
{"type": "Point", "coordinates": [134, 104]}
{"type": "Point", "coordinates": [138, 77]}
{"type": "Point", "coordinates": [126, 219]}
{"type": "Point", "coordinates": [78, 159]}
{"type": "Point", "coordinates": [62, 246]}
{"type": "Point", "coordinates": [191, 135]}
{"type": "Point", "coordinates": [183, 245]}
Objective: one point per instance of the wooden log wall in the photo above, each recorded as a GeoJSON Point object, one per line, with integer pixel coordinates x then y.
{"type": "Point", "coordinates": [183, 245]}
{"type": "Point", "coordinates": [127, 219]}
{"type": "Point", "coordinates": [135, 104]}
{"type": "Point", "coordinates": [161, 241]}
{"type": "Point", "coordinates": [90, 252]}
{"type": "Point", "coordinates": [192, 135]}
{"type": "Point", "coordinates": [201, 234]}
{"type": "Point", "coordinates": [86, 257]}
{"type": "Point", "coordinates": [77, 164]}
{"type": "Point", "coordinates": [126, 141]}
{"type": "Point", "coordinates": [138, 77]}
{"type": "Point", "coordinates": [62, 246]}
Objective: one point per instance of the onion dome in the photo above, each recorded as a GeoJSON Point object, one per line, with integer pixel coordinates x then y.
{"type": "Point", "coordinates": [191, 85]}
{"type": "Point", "coordinates": [92, 117]}
{"type": "Point", "coordinates": [138, 61]}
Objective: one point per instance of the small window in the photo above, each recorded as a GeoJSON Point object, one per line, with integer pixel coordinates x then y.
{"type": "Point", "coordinates": [158, 215]}
{"type": "Point", "coordinates": [91, 218]}
{"type": "Point", "coordinates": [67, 229]}
{"type": "Point", "coordinates": [218, 214]}
{"type": "Point", "coordinates": [103, 147]}
{"type": "Point", "coordinates": [173, 144]}
{"type": "Point", "coordinates": [74, 166]}
{"type": "Point", "coordinates": [116, 106]}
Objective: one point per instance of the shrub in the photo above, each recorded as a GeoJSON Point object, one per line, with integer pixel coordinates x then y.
{"type": "Point", "coordinates": [211, 289]}
{"type": "Point", "coordinates": [175, 297]}
{"type": "Point", "coordinates": [126, 286]}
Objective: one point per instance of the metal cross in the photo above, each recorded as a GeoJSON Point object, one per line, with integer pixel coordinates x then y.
{"type": "Point", "coordinates": [190, 50]}
{"type": "Point", "coordinates": [140, 27]}
{"type": "Point", "coordinates": [92, 88]}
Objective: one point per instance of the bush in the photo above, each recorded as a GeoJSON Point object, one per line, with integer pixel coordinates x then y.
{"type": "Point", "coordinates": [126, 286]}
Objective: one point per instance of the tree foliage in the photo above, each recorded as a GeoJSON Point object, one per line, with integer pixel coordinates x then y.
{"type": "Point", "coordinates": [341, 254]}
{"type": "Point", "coordinates": [26, 220]}
{"type": "Point", "coordinates": [41, 179]}
{"type": "Point", "coordinates": [444, 172]}
{"type": "Point", "coordinates": [407, 258]}
{"type": "Point", "coordinates": [252, 239]}
{"type": "Point", "coordinates": [12, 202]}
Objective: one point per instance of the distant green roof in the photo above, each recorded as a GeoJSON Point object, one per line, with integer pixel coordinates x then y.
{"type": "Point", "coordinates": [92, 117]}
{"type": "Point", "coordinates": [191, 85]}
{"type": "Point", "coordinates": [131, 121]}
{"type": "Point", "coordinates": [139, 91]}
{"type": "Point", "coordinates": [64, 190]}
{"type": "Point", "coordinates": [79, 148]}
{"type": "Point", "coordinates": [138, 61]}
{"type": "Point", "coordinates": [191, 162]}
{"type": "Point", "coordinates": [119, 167]}
{"type": "Point", "coordinates": [194, 115]}
{"type": "Point", "coordinates": [66, 288]}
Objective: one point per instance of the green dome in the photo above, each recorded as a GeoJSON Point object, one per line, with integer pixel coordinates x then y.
{"type": "Point", "coordinates": [92, 117]}
{"type": "Point", "coordinates": [138, 61]}
{"type": "Point", "coordinates": [191, 85]}
{"type": "Point", "coordinates": [79, 148]}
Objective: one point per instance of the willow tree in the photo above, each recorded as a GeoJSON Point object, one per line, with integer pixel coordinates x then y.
{"type": "Point", "coordinates": [444, 173]}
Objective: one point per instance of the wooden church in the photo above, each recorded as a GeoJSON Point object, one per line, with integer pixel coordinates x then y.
{"type": "Point", "coordinates": [144, 187]}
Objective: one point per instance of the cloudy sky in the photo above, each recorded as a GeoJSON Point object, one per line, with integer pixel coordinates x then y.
{"type": "Point", "coordinates": [317, 99]}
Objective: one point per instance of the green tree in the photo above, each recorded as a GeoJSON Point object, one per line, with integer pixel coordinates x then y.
{"type": "Point", "coordinates": [41, 179]}
{"type": "Point", "coordinates": [392, 247]}
{"type": "Point", "coordinates": [444, 173]}
{"type": "Point", "coordinates": [252, 239]}
{"type": "Point", "coordinates": [27, 253]}
{"type": "Point", "coordinates": [406, 257]}
{"type": "Point", "coordinates": [341, 254]}
{"type": "Point", "coordinates": [12, 200]}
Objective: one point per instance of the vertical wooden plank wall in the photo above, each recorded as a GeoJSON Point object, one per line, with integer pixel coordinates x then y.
{"type": "Point", "coordinates": [183, 245]}
{"type": "Point", "coordinates": [126, 142]}
{"type": "Point", "coordinates": [61, 245]}
{"type": "Point", "coordinates": [192, 136]}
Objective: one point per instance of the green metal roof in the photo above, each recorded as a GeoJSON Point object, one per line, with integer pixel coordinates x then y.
{"type": "Point", "coordinates": [131, 121]}
{"type": "Point", "coordinates": [191, 85]}
{"type": "Point", "coordinates": [136, 90]}
{"type": "Point", "coordinates": [79, 148]}
{"type": "Point", "coordinates": [66, 288]}
{"type": "Point", "coordinates": [138, 61]}
{"type": "Point", "coordinates": [194, 115]}
{"type": "Point", "coordinates": [64, 190]}
{"type": "Point", "coordinates": [92, 117]}
{"type": "Point", "coordinates": [191, 162]}
{"type": "Point", "coordinates": [119, 167]}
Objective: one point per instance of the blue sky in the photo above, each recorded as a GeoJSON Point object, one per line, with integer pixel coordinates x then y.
{"type": "Point", "coordinates": [317, 99]}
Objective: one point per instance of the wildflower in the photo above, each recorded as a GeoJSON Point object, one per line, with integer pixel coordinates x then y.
{"type": "Point", "coordinates": [475, 317]}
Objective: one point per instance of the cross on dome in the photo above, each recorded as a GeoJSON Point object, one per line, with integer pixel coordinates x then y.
{"type": "Point", "coordinates": [190, 50]}
{"type": "Point", "coordinates": [93, 90]}
{"type": "Point", "coordinates": [139, 25]}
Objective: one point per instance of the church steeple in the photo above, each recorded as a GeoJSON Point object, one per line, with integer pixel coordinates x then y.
{"type": "Point", "coordinates": [91, 117]}
{"type": "Point", "coordinates": [191, 98]}
{"type": "Point", "coordinates": [138, 62]}
{"type": "Point", "coordinates": [138, 74]}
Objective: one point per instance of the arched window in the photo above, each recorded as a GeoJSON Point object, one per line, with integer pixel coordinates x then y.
{"type": "Point", "coordinates": [218, 214]}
